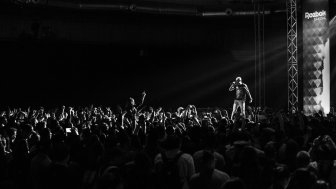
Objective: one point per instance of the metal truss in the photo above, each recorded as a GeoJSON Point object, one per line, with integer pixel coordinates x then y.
{"type": "Point", "coordinates": [292, 54]}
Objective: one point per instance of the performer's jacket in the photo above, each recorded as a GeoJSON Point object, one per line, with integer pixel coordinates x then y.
{"type": "Point", "coordinates": [241, 91]}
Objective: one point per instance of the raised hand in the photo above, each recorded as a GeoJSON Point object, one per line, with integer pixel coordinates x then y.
{"type": "Point", "coordinates": [123, 113]}
{"type": "Point", "coordinates": [159, 109]}
{"type": "Point", "coordinates": [132, 101]}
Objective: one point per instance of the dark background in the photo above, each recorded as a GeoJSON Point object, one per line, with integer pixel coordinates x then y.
{"type": "Point", "coordinates": [54, 56]}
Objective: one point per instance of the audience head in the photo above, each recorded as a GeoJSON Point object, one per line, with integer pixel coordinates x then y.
{"type": "Point", "coordinates": [302, 159]}
{"type": "Point", "coordinates": [281, 176]}
{"type": "Point", "coordinates": [302, 178]}
{"type": "Point", "coordinates": [321, 184]}
{"type": "Point", "coordinates": [172, 142]}
{"type": "Point", "coordinates": [207, 162]}
{"type": "Point", "coordinates": [60, 152]}
{"type": "Point", "coordinates": [234, 183]}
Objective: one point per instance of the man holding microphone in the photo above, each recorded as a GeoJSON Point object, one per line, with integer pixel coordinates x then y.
{"type": "Point", "coordinates": [240, 97]}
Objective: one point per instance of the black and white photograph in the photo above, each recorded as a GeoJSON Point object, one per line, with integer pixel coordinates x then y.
{"type": "Point", "coordinates": [167, 94]}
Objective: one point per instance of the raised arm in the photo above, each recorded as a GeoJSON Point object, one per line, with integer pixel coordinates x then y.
{"type": "Point", "coordinates": [143, 96]}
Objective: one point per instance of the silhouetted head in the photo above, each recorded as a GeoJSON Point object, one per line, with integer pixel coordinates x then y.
{"type": "Point", "coordinates": [302, 159]}
{"type": "Point", "coordinates": [234, 183]}
{"type": "Point", "coordinates": [321, 184]}
{"type": "Point", "coordinates": [302, 178]}
{"type": "Point", "coordinates": [208, 161]}
{"type": "Point", "coordinates": [172, 142]}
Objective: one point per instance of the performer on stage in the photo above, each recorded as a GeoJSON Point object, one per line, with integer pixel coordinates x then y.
{"type": "Point", "coordinates": [240, 98]}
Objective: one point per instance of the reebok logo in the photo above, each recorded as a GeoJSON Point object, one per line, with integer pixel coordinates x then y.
{"type": "Point", "coordinates": [316, 15]}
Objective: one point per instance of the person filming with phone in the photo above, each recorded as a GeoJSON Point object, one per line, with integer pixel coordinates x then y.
{"type": "Point", "coordinates": [240, 97]}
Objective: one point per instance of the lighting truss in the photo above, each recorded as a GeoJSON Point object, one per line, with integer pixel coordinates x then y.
{"type": "Point", "coordinates": [292, 55]}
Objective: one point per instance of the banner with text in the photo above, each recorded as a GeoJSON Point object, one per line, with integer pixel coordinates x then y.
{"type": "Point", "coordinates": [316, 58]}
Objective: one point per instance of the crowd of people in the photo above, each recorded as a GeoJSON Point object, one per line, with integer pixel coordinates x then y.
{"type": "Point", "coordinates": [143, 147]}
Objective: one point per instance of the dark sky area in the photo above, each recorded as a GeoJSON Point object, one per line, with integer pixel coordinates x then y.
{"type": "Point", "coordinates": [78, 58]}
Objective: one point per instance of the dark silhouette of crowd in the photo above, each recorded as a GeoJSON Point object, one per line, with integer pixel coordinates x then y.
{"type": "Point", "coordinates": [140, 147]}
